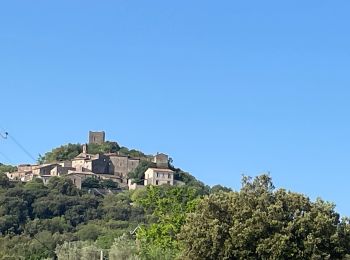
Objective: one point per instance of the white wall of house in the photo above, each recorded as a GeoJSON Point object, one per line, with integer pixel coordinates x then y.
{"type": "Point", "coordinates": [156, 176]}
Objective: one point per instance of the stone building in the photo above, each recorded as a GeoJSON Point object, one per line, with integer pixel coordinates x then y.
{"type": "Point", "coordinates": [113, 166]}
{"type": "Point", "coordinates": [78, 177]}
{"type": "Point", "coordinates": [60, 170]}
{"type": "Point", "coordinates": [157, 176]}
{"type": "Point", "coordinates": [16, 176]}
{"type": "Point", "coordinates": [97, 163]}
{"type": "Point", "coordinates": [43, 169]}
{"type": "Point", "coordinates": [121, 165]}
{"type": "Point", "coordinates": [25, 167]}
{"type": "Point", "coordinates": [24, 173]}
{"type": "Point", "coordinates": [97, 137]}
{"type": "Point", "coordinates": [161, 160]}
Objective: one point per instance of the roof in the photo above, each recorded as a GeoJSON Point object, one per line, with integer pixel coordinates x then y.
{"type": "Point", "coordinates": [134, 159]}
{"type": "Point", "coordinates": [115, 155]}
{"type": "Point", "coordinates": [123, 156]}
{"type": "Point", "coordinates": [44, 165]}
{"type": "Point", "coordinates": [81, 173]}
{"type": "Point", "coordinates": [160, 170]}
{"type": "Point", "coordinates": [86, 156]}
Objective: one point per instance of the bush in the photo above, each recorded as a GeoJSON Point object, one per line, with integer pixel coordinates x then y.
{"type": "Point", "coordinates": [123, 248]}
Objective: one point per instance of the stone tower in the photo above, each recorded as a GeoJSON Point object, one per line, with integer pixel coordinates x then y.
{"type": "Point", "coordinates": [97, 137]}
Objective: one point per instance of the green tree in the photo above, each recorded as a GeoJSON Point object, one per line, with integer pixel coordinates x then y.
{"type": "Point", "coordinates": [190, 180]}
{"type": "Point", "coordinates": [62, 153]}
{"type": "Point", "coordinates": [109, 184]}
{"type": "Point", "coordinates": [91, 183]}
{"type": "Point", "coordinates": [218, 188]}
{"type": "Point", "coordinates": [260, 222]}
{"type": "Point", "coordinates": [117, 206]}
{"type": "Point", "coordinates": [132, 153]}
{"type": "Point", "coordinates": [123, 248]}
{"type": "Point", "coordinates": [169, 206]}
{"type": "Point", "coordinates": [4, 181]}
{"type": "Point", "coordinates": [35, 184]}
{"type": "Point", "coordinates": [7, 168]}
{"type": "Point", "coordinates": [78, 250]}
{"type": "Point", "coordinates": [106, 147]}
{"type": "Point", "coordinates": [89, 232]}
{"type": "Point", "coordinates": [63, 186]}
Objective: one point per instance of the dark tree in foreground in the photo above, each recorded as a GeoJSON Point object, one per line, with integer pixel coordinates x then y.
{"type": "Point", "coordinates": [262, 223]}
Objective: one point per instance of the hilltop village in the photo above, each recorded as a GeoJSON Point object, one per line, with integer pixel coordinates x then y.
{"type": "Point", "coordinates": [104, 166]}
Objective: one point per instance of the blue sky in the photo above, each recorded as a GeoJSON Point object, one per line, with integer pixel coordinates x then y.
{"type": "Point", "coordinates": [225, 87]}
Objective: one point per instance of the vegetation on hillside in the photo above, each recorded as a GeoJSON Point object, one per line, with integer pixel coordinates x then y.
{"type": "Point", "coordinates": [260, 222]}
{"type": "Point", "coordinates": [7, 168]}
{"type": "Point", "coordinates": [193, 221]}
{"type": "Point", "coordinates": [167, 222]}
{"type": "Point", "coordinates": [69, 151]}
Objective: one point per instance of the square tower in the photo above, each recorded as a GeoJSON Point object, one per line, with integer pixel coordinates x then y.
{"type": "Point", "coordinates": [96, 137]}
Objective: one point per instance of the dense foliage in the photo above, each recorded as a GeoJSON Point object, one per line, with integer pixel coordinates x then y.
{"type": "Point", "coordinates": [167, 222]}
{"type": "Point", "coordinates": [261, 223]}
{"type": "Point", "coordinates": [132, 153]}
{"type": "Point", "coordinates": [38, 222]}
{"type": "Point", "coordinates": [35, 219]}
{"type": "Point", "coordinates": [7, 168]}
{"type": "Point", "coordinates": [62, 153]}
{"type": "Point", "coordinates": [69, 151]}
{"type": "Point", "coordinates": [106, 147]}
{"type": "Point", "coordinates": [97, 183]}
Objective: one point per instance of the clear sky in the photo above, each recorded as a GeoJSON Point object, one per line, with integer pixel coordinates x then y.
{"type": "Point", "coordinates": [225, 87]}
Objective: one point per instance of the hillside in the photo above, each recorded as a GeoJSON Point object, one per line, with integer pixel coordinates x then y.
{"type": "Point", "coordinates": [70, 151]}
{"type": "Point", "coordinates": [167, 222]}
{"type": "Point", "coordinates": [192, 221]}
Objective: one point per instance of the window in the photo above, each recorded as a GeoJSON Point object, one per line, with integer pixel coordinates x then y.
{"type": "Point", "coordinates": [157, 182]}
{"type": "Point", "coordinates": [158, 174]}
{"type": "Point", "coordinates": [169, 176]}
{"type": "Point", "coordinates": [168, 182]}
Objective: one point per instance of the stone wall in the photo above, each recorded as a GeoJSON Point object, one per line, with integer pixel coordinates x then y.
{"type": "Point", "coordinates": [97, 137]}
{"type": "Point", "coordinates": [121, 165]}
{"type": "Point", "coordinates": [100, 165]}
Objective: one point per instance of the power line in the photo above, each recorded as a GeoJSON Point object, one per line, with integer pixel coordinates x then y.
{"type": "Point", "coordinates": [6, 135]}
{"type": "Point", "coordinates": [22, 147]}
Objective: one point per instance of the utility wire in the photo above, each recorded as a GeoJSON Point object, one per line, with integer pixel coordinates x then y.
{"type": "Point", "coordinates": [6, 135]}
{"type": "Point", "coordinates": [22, 147]}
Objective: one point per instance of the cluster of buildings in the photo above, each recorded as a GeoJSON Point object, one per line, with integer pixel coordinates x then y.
{"type": "Point", "coordinates": [113, 166]}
